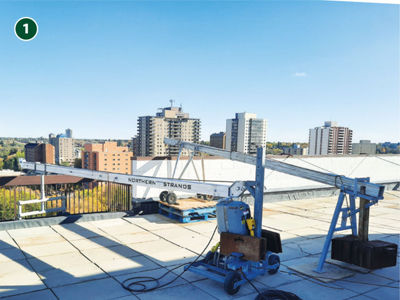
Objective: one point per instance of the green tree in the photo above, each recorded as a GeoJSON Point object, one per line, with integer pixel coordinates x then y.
{"type": "Point", "coordinates": [20, 154]}
{"type": "Point", "coordinates": [11, 164]}
{"type": "Point", "coordinates": [16, 166]}
{"type": "Point", "coordinates": [7, 165]}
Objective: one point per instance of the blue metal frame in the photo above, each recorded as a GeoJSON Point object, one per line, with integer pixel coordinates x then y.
{"type": "Point", "coordinates": [347, 212]}
{"type": "Point", "coordinates": [256, 189]}
{"type": "Point", "coordinates": [259, 191]}
{"type": "Point", "coordinates": [235, 262]}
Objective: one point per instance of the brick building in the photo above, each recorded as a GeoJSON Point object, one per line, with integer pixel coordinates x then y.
{"type": "Point", "coordinates": [107, 157]}
{"type": "Point", "coordinates": [43, 153]}
{"type": "Point", "coordinates": [218, 140]}
{"type": "Point", "coordinates": [330, 139]}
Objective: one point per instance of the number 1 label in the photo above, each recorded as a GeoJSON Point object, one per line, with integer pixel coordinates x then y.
{"type": "Point", "coordinates": [26, 29]}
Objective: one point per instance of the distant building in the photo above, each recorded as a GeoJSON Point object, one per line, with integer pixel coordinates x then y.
{"type": "Point", "coordinates": [218, 140]}
{"type": "Point", "coordinates": [30, 152]}
{"type": "Point", "coordinates": [245, 133]}
{"type": "Point", "coordinates": [330, 139]}
{"type": "Point", "coordinates": [107, 157]}
{"type": "Point", "coordinates": [135, 146]}
{"type": "Point", "coordinates": [171, 122]}
{"type": "Point", "coordinates": [43, 153]}
{"type": "Point", "coordinates": [364, 147]}
{"type": "Point", "coordinates": [68, 133]}
{"type": "Point", "coordinates": [64, 147]}
{"type": "Point", "coordinates": [78, 153]}
{"type": "Point", "coordinates": [295, 149]}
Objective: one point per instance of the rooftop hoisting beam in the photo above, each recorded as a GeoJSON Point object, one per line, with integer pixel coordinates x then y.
{"type": "Point", "coordinates": [368, 189]}
{"type": "Point", "coordinates": [219, 190]}
{"type": "Point", "coordinates": [369, 193]}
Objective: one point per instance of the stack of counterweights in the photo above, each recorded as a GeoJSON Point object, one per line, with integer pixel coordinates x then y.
{"type": "Point", "coordinates": [367, 254]}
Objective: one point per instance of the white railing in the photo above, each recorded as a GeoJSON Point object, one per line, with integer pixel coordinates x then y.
{"type": "Point", "coordinates": [43, 201]}
{"type": "Point", "coordinates": [43, 210]}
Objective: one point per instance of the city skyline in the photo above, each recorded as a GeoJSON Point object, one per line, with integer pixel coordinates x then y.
{"type": "Point", "coordinates": [206, 138]}
{"type": "Point", "coordinates": [295, 64]}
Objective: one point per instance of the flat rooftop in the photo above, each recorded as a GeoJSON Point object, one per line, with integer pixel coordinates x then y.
{"type": "Point", "coordinates": [89, 260]}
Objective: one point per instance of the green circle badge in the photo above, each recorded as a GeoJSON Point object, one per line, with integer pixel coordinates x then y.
{"type": "Point", "coordinates": [26, 29]}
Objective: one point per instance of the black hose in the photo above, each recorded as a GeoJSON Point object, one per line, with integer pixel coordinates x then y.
{"type": "Point", "coordinates": [277, 295]}
{"type": "Point", "coordinates": [139, 281]}
{"type": "Point", "coordinates": [271, 294]}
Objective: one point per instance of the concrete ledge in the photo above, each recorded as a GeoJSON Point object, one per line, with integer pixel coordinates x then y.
{"type": "Point", "coordinates": [28, 223]}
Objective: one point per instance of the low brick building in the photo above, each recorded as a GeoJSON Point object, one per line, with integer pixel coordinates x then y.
{"type": "Point", "coordinates": [107, 157]}
{"type": "Point", "coordinates": [43, 153]}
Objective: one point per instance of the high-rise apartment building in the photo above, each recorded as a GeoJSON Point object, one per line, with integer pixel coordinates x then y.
{"type": "Point", "coordinates": [43, 153]}
{"type": "Point", "coordinates": [330, 139]}
{"type": "Point", "coordinates": [135, 145]}
{"type": "Point", "coordinates": [245, 133]}
{"type": "Point", "coordinates": [64, 147]}
{"type": "Point", "coordinates": [218, 140]}
{"type": "Point", "coordinates": [68, 133]}
{"type": "Point", "coordinates": [364, 147]}
{"type": "Point", "coordinates": [171, 122]}
{"type": "Point", "coordinates": [107, 157]}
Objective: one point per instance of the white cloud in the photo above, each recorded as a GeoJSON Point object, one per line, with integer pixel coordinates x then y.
{"type": "Point", "coordinates": [300, 74]}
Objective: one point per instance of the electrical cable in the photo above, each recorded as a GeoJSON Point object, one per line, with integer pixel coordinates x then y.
{"type": "Point", "coordinates": [314, 280]}
{"type": "Point", "coordinates": [388, 161]}
{"type": "Point", "coordinates": [289, 155]}
{"type": "Point", "coordinates": [139, 281]}
{"type": "Point", "coordinates": [343, 279]}
{"type": "Point", "coordinates": [307, 162]}
{"type": "Point", "coordinates": [271, 294]}
{"type": "Point", "coordinates": [356, 167]}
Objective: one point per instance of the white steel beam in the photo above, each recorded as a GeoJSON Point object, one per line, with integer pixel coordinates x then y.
{"type": "Point", "coordinates": [350, 184]}
{"type": "Point", "coordinates": [218, 190]}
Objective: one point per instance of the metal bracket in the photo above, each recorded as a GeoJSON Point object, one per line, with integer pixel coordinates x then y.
{"type": "Point", "coordinates": [347, 212]}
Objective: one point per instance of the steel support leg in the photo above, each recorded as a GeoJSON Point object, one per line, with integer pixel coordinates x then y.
{"type": "Point", "coordinates": [330, 233]}
{"type": "Point", "coordinates": [363, 223]}
{"type": "Point", "coordinates": [42, 192]}
{"type": "Point", "coordinates": [353, 217]}
{"type": "Point", "coordinates": [177, 160]}
{"type": "Point", "coordinates": [259, 190]}
{"type": "Point", "coordinates": [186, 165]}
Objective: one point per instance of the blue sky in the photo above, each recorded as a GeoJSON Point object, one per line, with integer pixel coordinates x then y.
{"type": "Point", "coordinates": [96, 66]}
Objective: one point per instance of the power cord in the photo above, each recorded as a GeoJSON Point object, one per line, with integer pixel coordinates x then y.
{"type": "Point", "coordinates": [343, 279]}
{"type": "Point", "coordinates": [272, 294]}
{"type": "Point", "coordinates": [139, 281]}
